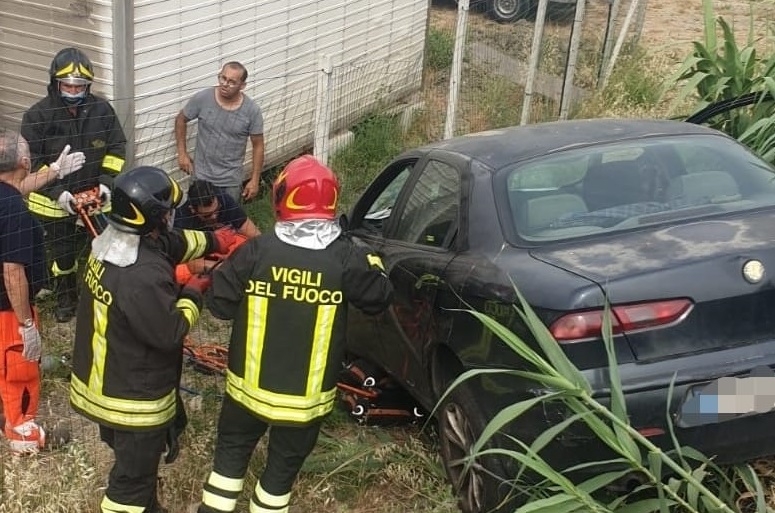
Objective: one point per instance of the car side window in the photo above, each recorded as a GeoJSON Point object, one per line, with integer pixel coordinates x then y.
{"type": "Point", "coordinates": [380, 210]}
{"type": "Point", "coordinates": [431, 212]}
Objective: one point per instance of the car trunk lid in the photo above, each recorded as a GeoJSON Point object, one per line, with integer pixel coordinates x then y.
{"type": "Point", "coordinates": [703, 261]}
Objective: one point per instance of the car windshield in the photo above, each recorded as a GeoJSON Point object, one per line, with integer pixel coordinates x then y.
{"type": "Point", "coordinates": [635, 183]}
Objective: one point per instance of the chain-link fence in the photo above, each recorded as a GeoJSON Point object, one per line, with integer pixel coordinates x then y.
{"type": "Point", "coordinates": [504, 73]}
{"type": "Point", "coordinates": [537, 68]}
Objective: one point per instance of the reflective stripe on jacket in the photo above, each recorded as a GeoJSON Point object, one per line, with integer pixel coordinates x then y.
{"type": "Point", "coordinates": [289, 306]}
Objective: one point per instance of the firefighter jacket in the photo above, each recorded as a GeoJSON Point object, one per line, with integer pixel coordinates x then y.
{"type": "Point", "coordinates": [49, 126]}
{"type": "Point", "coordinates": [289, 306]}
{"type": "Point", "coordinates": [130, 326]}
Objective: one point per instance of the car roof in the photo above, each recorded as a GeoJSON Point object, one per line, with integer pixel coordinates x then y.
{"type": "Point", "coordinates": [498, 148]}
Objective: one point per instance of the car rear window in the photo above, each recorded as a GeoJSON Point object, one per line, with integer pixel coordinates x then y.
{"type": "Point", "coordinates": [631, 184]}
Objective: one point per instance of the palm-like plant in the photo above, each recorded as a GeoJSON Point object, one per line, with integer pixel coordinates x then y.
{"type": "Point", "coordinates": [719, 70]}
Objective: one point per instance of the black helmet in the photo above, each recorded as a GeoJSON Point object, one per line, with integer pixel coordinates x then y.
{"type": "Point", "coordinates": [141, 198]}
{"type": "Point", "coordinates": [71, 66]}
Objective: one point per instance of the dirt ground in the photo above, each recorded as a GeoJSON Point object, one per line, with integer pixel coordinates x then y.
{"type": "Point", "coordinates": [676, 23]}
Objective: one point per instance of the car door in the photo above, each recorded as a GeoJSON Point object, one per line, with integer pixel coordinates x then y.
{"type": "Point", "coordinates": [415, 237]}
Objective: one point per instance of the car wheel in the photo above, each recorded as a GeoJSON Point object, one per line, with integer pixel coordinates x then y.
{"type": "Point", "coordinates": [460, 424]}
{"type": "Point", "coordinates": [506, 11]}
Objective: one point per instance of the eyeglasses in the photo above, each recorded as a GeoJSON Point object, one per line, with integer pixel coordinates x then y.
{"type": "Point", "coordinates": [209, 213]}
{"type": "Point", "coordinates": [227, 81]}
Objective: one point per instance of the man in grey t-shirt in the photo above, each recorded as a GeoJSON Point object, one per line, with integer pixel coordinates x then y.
{"type": "Point", "coordinates": [226, 119]}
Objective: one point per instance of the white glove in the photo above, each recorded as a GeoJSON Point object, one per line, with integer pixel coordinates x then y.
{"type": "Point", "coordinates": [105, 194]}
{"type": "Point", "coordinates": [68, 163]}
{"type": "Point", "coordinates": [66, 202]}
{"type": "Point", "coordinates": [32, 346]}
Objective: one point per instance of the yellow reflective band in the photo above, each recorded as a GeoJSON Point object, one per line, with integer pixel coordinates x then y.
{"type": "Point", "coordinates": [138, 219]}
{"type": "Point", "coordinates": [57, 271]}
{"type": "Point", "coordinates": [229, 484]}
{"type": "Point", "coordinates": [69, 68]}
{"type": "Point", "coordinates": [215, 501]}
{"type": "Point", "coordinates": [113, 163]}
{"type": "Point", "coordinates": [196, 244]}
{"type": "Point", "coordinates": [44, 206]}
{"type": "Point", "coordinates": [332, 206]}
{"type": "Point", "coordinates": [122, 412]}
{"type": "Point", "coordinates": [254, 337]}
{"type": "Point", "coordinates": [99, 345]}
{"type": "Point", "coordinates": [109, 506]}
{"type": "Point", "coordinates": [85, 71]}
{"type": "Point", "coordinates": [375, 261]}
{"type": "Point", "coordinates": [321, 340]}
{"type": "Point", "coordinates": [279, 407]}
{"type": "Point", "coordinates": [176, 194]}
{"type": "Point", "coordinates": [267, 499]}
{"type": "Point", "coordinates": [189, 310]}
{"type": "Point", "coordinates": [290, 201]}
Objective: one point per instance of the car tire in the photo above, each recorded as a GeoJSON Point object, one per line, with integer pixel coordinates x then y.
{"type": "Point", "coordinates": [460, 423]}
{"type": "Point", "coordinates": [507, 11]}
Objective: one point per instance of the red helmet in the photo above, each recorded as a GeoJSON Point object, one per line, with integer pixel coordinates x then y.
{"type": "Point", "coordinates": [305, 189]}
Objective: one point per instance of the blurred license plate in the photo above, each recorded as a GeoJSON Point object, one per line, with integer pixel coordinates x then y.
{"type": "Point", "coordinates": [726, 399]}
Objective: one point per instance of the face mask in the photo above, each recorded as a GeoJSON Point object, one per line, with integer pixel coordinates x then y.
{"type": "Point", "coordinates": [73, 99]}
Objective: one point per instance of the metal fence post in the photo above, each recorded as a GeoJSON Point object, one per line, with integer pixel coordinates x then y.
{"type": "Point", "coordinates": [573, 54]}
{"type": "Point", "coordinates": [323, 109]}
{"type": "Point", "coordinates": [535, 53]}
{"type": "Point", "coordinates": [457, 68]}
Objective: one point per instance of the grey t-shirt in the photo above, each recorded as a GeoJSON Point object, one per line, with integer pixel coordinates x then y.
{"type": "Point", "coordinates": [222, 137]}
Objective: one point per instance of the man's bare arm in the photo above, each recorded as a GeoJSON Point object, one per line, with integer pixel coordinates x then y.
{"type": "Point", "coordinates": [18, 290]}
{"type": "Point", "coordinates": [184, 159]}
{"type": "Point", "coordinates": [251, 188]}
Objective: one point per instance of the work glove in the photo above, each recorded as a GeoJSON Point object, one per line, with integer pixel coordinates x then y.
{"type": "Point", "coordinates": [66, 202]}
{"type": "Point", "coordinates": [224, 238]}
{"type": "Point", "coordinates": [32, 344]}
{"type": "Point", "coordinates": [105, 194]}
{"type": "Point", "coordinates": [68, 163]}
{"type": "Point", "coordinates": [175, 430]}
{"type": "Point", "coordinates": [199, 282]}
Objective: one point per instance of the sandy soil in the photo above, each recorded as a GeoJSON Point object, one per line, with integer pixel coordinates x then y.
{"type": "Point", "coordinates": [674, 24]}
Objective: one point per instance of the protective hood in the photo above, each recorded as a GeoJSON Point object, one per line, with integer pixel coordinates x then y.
{"type": "Point", "coordinates": [308, 233]}
{"type": "Point", "coordinates": [116, 247]}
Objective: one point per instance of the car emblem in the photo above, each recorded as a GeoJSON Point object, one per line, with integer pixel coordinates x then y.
{"type": "Point", "coordinates": [753, 271]}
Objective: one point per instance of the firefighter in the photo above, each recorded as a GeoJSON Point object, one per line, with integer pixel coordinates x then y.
{"type": "Point", "coordinates": [287, 293]}
{"type": "Point", "coordinates": [70, 114]}
{"type": "Point", "coordinates": [130, 325]}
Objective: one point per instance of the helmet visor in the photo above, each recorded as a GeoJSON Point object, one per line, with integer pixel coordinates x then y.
{"type": "Point", "coordinates": [76, 81]}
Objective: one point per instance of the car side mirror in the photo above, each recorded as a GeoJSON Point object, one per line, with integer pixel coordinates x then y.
{"type": "Point", "coordinates": [344, 223]}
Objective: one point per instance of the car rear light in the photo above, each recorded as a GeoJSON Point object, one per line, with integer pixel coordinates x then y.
{"type": "Point", "coordinates": [577, 326]}
{"type": "Point", "coordinates": [651, 431]}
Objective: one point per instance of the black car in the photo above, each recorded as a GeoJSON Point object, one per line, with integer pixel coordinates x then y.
{"type": "Point", "coordinates": [674, 222]}
{"type": "Point", "coordinates": [506, 11]}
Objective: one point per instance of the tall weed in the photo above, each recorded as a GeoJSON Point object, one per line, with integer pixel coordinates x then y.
{"type": "Point", "coordinates": [695, 484]}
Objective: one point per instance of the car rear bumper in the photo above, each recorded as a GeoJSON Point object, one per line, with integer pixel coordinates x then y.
{"type": "Point", "coordinates": [727, 438]}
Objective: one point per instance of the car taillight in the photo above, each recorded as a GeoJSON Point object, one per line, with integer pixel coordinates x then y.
{"type": "Point", "coordinates": [587, 324]}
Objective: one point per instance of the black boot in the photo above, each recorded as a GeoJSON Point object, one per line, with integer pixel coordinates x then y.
{"type": "Point", "coordinates": [67, 298]}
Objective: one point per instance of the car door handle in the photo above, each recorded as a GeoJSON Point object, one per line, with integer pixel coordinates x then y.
{"type": "Point", "coordinates": [427, 279]}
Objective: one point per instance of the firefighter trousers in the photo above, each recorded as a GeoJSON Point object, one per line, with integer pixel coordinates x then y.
{"type": "Point", "coordinates": [65, 241]}
{"type": "Point", "coordinates": [132, 480]}
{"type": "Point", "coordinates": [239, 431]}
{"type": "Point", "coordinates": [20, 385]}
